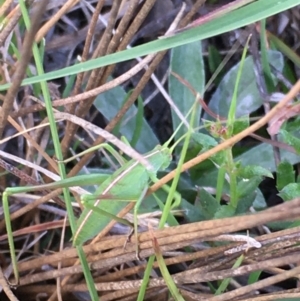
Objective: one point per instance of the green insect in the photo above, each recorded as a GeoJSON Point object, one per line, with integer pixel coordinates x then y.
{"type": "Point", "coordinates": [128, 184]}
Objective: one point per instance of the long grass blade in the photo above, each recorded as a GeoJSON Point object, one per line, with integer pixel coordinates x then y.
{"type": "Point", "coordinates": [246, 15]}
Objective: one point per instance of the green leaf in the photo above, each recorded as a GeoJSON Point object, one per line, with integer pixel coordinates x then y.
{"type": "Point", "coordinates": [192, 213]}
{"type": "Point", "coordinates": [214, 61]}
{"type": "Point", "coordinates": [207, 142]}
{"type": "Point", "coordinates": [245, 203]}
{"type": "Point", "coordinates": [285, 175]}
{"type": "Point", "coordinates": [187, 62]}
{"type": "Point", "coordinates": [225, 211]}
{"type": "Point", "coordinates": [293, 125]}
{"type": "Point", "coordinates": [208, 204]}
{"type": "Point", "coordinates": [248, 94]}
{"type": "Point", "coordinates": [233, 105]}
{"type": "Point", "coordinates": [246, 187]}
{"type": "Point", "coordinates": [240, 125]}
{"type": "Point", "coordinates": [290, 192]}
{"type": "Point", "coordinates": [109, 104]}
{"type": "Point", "coordinates": [250, 171]}
{"type": "Point", "coordinates": [259, 202]}
{"type": "Point", "coordinates": [139, 122]}
{"type": "Point", "coordinates": [254, 277]}
{"type": "Point", "coordinates": [290, 140]}
{"type": "Point", "coordinates": [261, 154]}
{"type": "Point", "coordinates": [281, 225]}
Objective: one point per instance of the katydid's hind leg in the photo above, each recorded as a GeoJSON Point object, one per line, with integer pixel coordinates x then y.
{"type": "Point", "coordinates": [105, 146]}
{"type": "Point", "coordinates": [176, 198]}
{"type": "Point", "coordinates": [167, 189]}
{"type": "Point", "coordinates": [128, 237]}
{"type": "Point", "coordinates": [135, 222]}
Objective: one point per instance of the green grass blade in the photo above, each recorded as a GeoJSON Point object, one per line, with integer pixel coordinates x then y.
{"type": "Point", "coordinates": [285, 49]}
{"type": "Point", "coordinates": [87, 274]}
{"type": "Point", "coordinates": [52, 122]}
{"type": "Point", "coordinates": [264, 58]}
{"type": "Point", "coordinates": [58, 154]}
{"type": "Point", "coordinates": [226, 281]}
{"type": "Point", "coordinates": [167, 208]}
{"type": "Point", "coordinates": [138, 122]}
{"type": "Point", "coordinates": [246, 15]}
{"type": "Point", "coordinates": [9, 235]}
{"type": "Point", "coordinates": [165, 273]}
{"type": "Point", "coordinates": [233, 105]}
{"type": "Point", "coordinates": [147, 273]}
{"type": "Point", "coordinates": [171, 195]}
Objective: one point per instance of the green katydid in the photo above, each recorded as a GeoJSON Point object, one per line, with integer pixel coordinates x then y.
{"type": "Point", "coordinates": [119, 187]}
{"type": "Point", "coordinates": [129, 183]}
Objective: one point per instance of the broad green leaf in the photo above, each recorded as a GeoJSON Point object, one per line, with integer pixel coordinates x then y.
{"type": "Point", "coordinates": [291, 140]}
{"type": "Point", "coordinates": [245, 187]}
{"type": "Point", "coordinates": [261, 154]}
{"type": "Point", "coordinates": [246, 202]}
{"type": "Point", "coordinates": [293, 125]}
{"type": "Point", "coordinates": [240, 125]}
{"type": "Point", "coordinates": [204, 140]}
{"type": "Point", "coordinates": [139, 122]}
{"type": "Point", "coordinates": [214, 61]}
{"type": "Point", "coordinates": [248, 95]}
{"type": "Point", "coordinates": [225, 211]}
{"type": "Point", "coordinates": [109, 104]}
{"type": "Point", "coordinates": [208, 205]}
{"type": "Point", "coordinates": [290, 192]}
{"type": "Point", "coordinates": [282, 225]}
{"type": "Point", "coordinates": [191, 212]}
{"type": "Point", "coordinates": [285, 175]}
{"type": "Point", "coordinates": [207, 142]}
{"type": "Point", "coordinates": [259, 202]}
{"type": "Point", "coordinates": [187, 62]}
{"type": "Point", "coordinates": [250, 171]}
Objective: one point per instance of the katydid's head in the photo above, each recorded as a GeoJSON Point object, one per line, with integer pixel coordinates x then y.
{"type": "Point", "coordinates": [159, 158]}
{"type": "Point", "coordinates": [166, 154]}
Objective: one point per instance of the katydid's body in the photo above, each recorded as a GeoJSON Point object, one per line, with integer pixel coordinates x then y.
{"type": "Point", "coordinates": [127, 184]}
